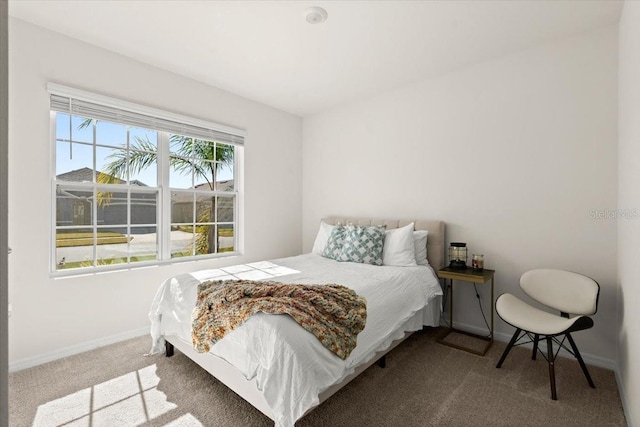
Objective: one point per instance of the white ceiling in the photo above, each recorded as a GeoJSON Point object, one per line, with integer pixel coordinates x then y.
{"type": "Point", "coordinates": [266, 51]}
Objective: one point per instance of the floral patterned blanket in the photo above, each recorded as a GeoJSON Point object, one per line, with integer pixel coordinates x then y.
{"type": "Point", "coordinates": [333, 313]}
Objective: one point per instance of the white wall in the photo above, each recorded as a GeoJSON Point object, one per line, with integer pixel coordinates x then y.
{"type": "Point", "coordinates": [52, 316]}
{"type": "Point", "coordinates": [512, 154]}
{"type": "Point", "coordinates": [4, 227]}
{"type": "Point", "coordinates": [629, 197]}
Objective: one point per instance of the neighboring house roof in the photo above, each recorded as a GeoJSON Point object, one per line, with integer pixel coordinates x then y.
{"type": "Point", "coordinates": [181, 197]}
{"type": "Point", "coordinates": [221, 186]}
{"type": "Point", "coordinates": [86, 175]}
{"type": "Point", "coordinates": [78, 175]}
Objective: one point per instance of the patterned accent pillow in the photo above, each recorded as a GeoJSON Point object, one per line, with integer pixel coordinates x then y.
{"type": "Point", "coordinates": [334, 243]}
{"type": "Point", "coordinates": [363, 244]}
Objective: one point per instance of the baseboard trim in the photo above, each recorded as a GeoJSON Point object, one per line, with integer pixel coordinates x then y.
{"type": "Point", "coordinates": [30, 362]}
{"type": "Point", "coordinates": [589, 359]}
{"type": "Point", "coordinates": [625, 402]}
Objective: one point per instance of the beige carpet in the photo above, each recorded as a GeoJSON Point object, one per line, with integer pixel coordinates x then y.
{"type": "Point", "coordinates": [424, 384]}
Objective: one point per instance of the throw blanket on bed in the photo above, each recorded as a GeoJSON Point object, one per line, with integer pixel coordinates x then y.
{"type": "Point", "coordinates": [335, 314]}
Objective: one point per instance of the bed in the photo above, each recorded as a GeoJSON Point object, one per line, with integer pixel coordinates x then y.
{"type": "Point", "coordinates": [276, 365]}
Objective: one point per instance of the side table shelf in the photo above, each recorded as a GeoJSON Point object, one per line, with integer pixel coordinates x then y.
{"type": "Point", "coordinates": [469, 276]}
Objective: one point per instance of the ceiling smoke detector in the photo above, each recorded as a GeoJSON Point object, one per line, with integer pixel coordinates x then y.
{"type": "Point", "coordinates": [315, 15]}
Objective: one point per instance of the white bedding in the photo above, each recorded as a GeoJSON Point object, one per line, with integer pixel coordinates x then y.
{"type": "Point", "coordinates": [289, 364]}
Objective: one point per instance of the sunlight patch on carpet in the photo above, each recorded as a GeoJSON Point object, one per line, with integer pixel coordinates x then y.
{"type": "Point", "coordinates": [130, 399]}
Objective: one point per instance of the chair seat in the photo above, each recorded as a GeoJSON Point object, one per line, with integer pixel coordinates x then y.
{"type": "Point", "coordinates": [521, 315]}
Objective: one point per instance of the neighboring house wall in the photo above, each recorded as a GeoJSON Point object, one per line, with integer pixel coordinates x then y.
{"type": "Point", "coordinates": [75, 207]}
{"type": "Point", "coordinates": [52, 317]}
{"type": "Point", "coordinates": [629, 198]}
{"type": "Point", "coordinates": [514, 154]}
{"type": "Point", "coordinates": [182, 206]}
{"type": "Point", "coordinates": [182, 212]}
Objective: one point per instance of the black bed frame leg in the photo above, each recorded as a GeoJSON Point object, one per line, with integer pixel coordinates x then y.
{"type": "Point", "coordinates": [382, 362]}
{"type": "Point", "coordinates": [168, 347]}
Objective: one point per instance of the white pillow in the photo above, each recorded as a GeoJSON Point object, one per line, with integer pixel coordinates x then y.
{"type": "Point", "coordinates": [399, 248]}
{"type": "Point", "coordinates": [420, 241]}
{"type": "Point", "coordinates": [321, 238]}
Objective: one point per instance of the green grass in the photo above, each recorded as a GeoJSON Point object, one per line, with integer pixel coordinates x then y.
{"type": "Point", "coordinates": [225, 232]}
{"type": "Point", "coordinates": [183, 254]}
{"type": "Point", "coordinates": [66, 239]}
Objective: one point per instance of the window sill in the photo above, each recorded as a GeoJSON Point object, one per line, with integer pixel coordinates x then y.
{"type": "Point", "coordinates": [94, 271]}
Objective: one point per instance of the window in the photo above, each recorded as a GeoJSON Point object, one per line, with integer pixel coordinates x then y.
{"type": "Point", "coordinates": [134, 185]}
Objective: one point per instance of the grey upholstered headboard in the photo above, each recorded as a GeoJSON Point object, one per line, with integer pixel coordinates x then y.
{"type": "Point", "coordinates": [435, 239]}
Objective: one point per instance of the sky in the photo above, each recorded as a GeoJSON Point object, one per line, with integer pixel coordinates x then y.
{"type": "Point", "coordinates": [75, 155]}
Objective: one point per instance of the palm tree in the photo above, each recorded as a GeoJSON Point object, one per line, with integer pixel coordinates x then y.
{"type": "Point", "coordinates": [202, 156]}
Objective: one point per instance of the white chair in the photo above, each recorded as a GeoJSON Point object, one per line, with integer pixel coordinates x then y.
{"type": "Point", "coordinates": [574, 295]}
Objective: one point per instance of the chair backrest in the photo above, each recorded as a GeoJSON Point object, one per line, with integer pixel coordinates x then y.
{"type": "Point", "coordinates": [565, 291]}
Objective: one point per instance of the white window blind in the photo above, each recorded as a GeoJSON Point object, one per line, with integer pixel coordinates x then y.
{"type": "Point", "coordinates": [115, 111]}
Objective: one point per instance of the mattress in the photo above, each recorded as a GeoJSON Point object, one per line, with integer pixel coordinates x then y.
{"type": "Point", "coordinates": [289, 365]}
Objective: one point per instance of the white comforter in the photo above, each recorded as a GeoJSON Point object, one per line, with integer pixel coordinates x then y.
{"type": "Point", "coordinates": [290, 365]}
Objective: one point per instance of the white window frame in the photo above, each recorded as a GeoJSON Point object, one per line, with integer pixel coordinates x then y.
{"type": "Point", "coordinates": [163, 217]}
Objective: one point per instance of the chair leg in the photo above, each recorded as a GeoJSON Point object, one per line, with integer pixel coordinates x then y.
{"type": "Point", "coordinates": [536, 337]}
{"type": "Point", "coordinates": [514, 338]}
{"type": "Point", "coordinates": [580, 361]}
{"type": "Point", "coordinates": [552, 372]}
